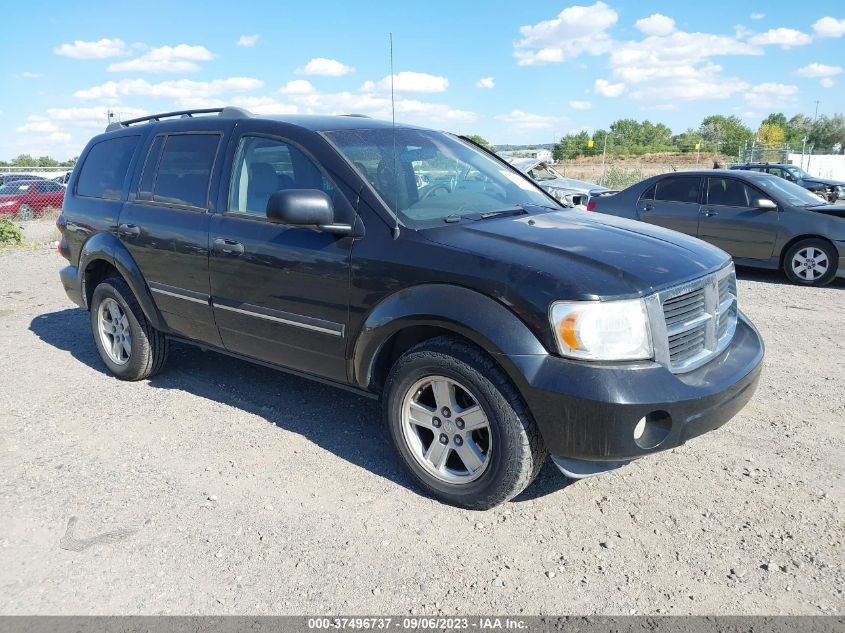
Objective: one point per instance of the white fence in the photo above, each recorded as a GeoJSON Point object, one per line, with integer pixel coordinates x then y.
{"type": "Point", "coordinates": [821, 165]}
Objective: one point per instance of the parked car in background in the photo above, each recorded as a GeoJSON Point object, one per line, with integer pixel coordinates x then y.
{"type": "Point", "coordinates": [495, 326]}
{"type": "Point", "coordinates": [7, 178]}
{"type": "Point", "coordinates": [760, 219]}
{"type": "Point", "coordinates": [63, 178]}
{"type": "Point", "coordinates": [568, 191]}
{"type": "Point", "coordinates": [829, 189]}
{"type": "Point", "coordinates": [28, 199]}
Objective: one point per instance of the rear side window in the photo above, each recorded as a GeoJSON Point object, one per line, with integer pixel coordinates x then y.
{"type": "Point", "coordinates": [678, 189]}
{"type": "Point", "coordinates": [185, 169]}
{"type": "Point", "coordinates": [105, 167]}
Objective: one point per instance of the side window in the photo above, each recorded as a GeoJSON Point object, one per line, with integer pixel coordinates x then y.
{"type": "Point", "coordinates": [677, 189]}
{"type": "Point", "coordinates": [54, 186]}
{"type": "Point", "coordinates": [649, 193]}
{"type": "Point", "coordinates": [263, 166]}
{"type": "Point", "coordinates": [145, 189]}
{"type": "Point", "coordinates": [105, 168]}
{"type": "Point", "coordinates": [185, 169]}
{"type": "Point", "coordinates": [729, 193]}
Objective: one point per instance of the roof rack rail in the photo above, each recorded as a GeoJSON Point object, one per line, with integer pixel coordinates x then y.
{"type": "Point", "coordinates": [227, 112]}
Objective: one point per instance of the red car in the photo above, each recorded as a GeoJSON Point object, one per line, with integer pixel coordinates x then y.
{"type": "Point", "coordinates": [28, 199]}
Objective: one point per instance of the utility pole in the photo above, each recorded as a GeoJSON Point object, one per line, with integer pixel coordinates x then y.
{"type": "Point", "coordinates": [803, 147]}
{"type": "Point", "coordinates": [603, 156]}
{"type": "Point", "coordinates": [816, 115]}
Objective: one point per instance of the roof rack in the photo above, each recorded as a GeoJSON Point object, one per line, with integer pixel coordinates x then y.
{"type": "Point", "coordinates": [228, 112]}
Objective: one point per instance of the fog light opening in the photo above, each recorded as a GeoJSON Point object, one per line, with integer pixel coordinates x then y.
{"type": "Point", "coordinates": [652, 429]}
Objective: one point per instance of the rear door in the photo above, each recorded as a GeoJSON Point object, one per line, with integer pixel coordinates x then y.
{"type": "Point", "coordinates": [280, 292]}
{"type": "Point", "coordinates": [165, 227]}
{"type": "Point", "coordinates": [731, 221]}
{"type": "Point", "coordinates": [672, 202]}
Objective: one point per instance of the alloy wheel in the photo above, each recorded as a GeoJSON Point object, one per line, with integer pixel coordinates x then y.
{"type": "Point", "coordinates": [115, 333]}
{"type": "Point", "coordinates": [810, 263]}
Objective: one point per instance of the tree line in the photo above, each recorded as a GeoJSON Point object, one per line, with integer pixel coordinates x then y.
{"type": "Point", "coordinates": [716, 134]}
{"type": "Point", "coordinates": [25, 160]}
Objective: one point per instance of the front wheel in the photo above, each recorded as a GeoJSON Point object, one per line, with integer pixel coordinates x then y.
{"type": "Point", "coordinates": [25, 212]}
{"type": "Point", "coordinates": [130, 347]}
{"type": "Point", "coordinates": [811, 262]}
{"type": "Point", "coordinates": [459, 426]}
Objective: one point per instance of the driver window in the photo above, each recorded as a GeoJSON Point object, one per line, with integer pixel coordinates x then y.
{"type": "Point", "coordinates": [263, 166]}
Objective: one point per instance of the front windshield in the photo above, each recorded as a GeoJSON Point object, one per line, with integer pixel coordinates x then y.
{"type": "Point", "coordinates": [433, 177]}
{"type": "Point", "coordinates": [543, 172]}
{"type": "Point", "coordinates": [797, 173]}
{"type": "Point", "coordinates": [789, 192]}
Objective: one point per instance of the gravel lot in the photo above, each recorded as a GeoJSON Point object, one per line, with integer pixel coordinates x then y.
{"type": "Point", "coordinates": [219, 487]}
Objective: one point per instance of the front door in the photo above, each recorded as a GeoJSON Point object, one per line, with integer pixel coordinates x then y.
{"type": "Point", "coordinates": [731, 221]}
{"type": "Point", "coordinates": [280, 293]}
{"type": "Point", "coordinates": [673, 203]}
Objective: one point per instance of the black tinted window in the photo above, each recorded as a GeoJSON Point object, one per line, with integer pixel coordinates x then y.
{"type": "Point", "coordinates": [729, 192]}
{"type": "Point", "coordinates": [185, 168]}
{"type": "Point", "coordinates": [105, 168]}
{"type": "Point", "coordinates": [678, 189]}
{"type": "Point", "coordinates": [649, 194]}
{"type": "Point", "coordinates": [145, 190]}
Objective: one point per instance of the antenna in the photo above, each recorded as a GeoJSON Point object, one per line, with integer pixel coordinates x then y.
{"type": "Point", "coordinates": [393, 129]}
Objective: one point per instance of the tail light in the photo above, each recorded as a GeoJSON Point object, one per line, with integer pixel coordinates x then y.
{"type": "Point", "coordinates": [591, 205]}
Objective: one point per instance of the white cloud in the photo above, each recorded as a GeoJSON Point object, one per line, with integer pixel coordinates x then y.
{"type": "Point", "coordinates": [757, 16]}
{"type": "Point", "coordinates": [93, 117]}
{"type": "Point", "coordinates": [324, 66]}
{"type": "Point", "coordinates": [829, 27]}
{"type": "Point", "coordinates": [101, 49]}
{"type": "Point", "coordinates": [184, 91]}
{"type": "Point", "coordinates": [827, 82]}
{"type": "Point", "coordinates": [657, 24]}
{"type": "Point", "coordinates": [818, 70]}
{"type": "Point", "coordinates": [408, 81]}
{"type": "Point", "coordinates": [771, 95]}
{"type": "Point", "coordinates": [580, 105]}
{"type": "Point", "coordinates": [576, 30]}
{"type": "Point", "coordinates": [29, 75]}
{"type": "Point", "coordinates": [297, 87]}
{"type": "Point", "coordinates": [783, 37]}
{"type": "Point", "coordinates": [529, 121]}
{"type": "Point", "coordinates": [165, 59]}
{"type": "Point", "coordinates": [605, 88]}
{"type": "Point", "coordinates": [248, 41]}
{"type": "Point", "coordinates": [660, 107]}
{"type": "Point", "coordinates": [485, 82]}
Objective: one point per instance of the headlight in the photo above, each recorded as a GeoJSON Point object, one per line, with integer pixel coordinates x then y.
{"type": "Point", "coordinates": [7, 203]}
{"type": "Point", "coordinates": [602, 330]}
{"type": "Point", "coordinates": [561, 195]}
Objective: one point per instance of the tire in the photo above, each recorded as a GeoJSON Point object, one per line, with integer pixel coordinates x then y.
{"type": "Point", "coordinates": [115, 312]}
{"type": "Point", "coordinates": [483, 466]}
{"type": "Point", "coordinates": [25, 212]}
{"type": "Point", "coordinates": [811, 262]}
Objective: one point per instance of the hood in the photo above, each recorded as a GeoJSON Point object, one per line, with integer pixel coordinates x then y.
{"type": "Point", "coordinates": [816, 180]}
{"type": "Point", "coordinates": [837, 210]}
{"type": "Point", "coordinates": [582, 255]}
{"type": "Point", "coordinates": [572, 185]}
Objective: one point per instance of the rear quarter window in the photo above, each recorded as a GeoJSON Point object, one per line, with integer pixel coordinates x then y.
{"type": "Point", "coordinates": [105, 167]}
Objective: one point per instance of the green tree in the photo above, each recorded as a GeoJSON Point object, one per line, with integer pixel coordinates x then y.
{"type": "Point", "coordinates": [776, 118]}
{"type": "Point", "coordinates": [724, 134]}
{"type": "Point", "coordinates": [797, 129]}
{"type": "Point", "coordinates": [481, 141]}
{"type": "Point", "coordinates": [571, 146]}
{"type": "Point", "coordinates": [771, 134]}
{"type": "Point", "coordinates": [827, 132]}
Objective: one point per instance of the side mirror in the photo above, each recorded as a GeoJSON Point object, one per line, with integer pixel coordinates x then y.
{"type": "Point", "coordinates": [765, 203]}
{"type": "Point", "coordinates": [304, 207]}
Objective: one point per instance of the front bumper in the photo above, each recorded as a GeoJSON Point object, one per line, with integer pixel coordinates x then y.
{"type": "Point", "coordinates": [588, 411]}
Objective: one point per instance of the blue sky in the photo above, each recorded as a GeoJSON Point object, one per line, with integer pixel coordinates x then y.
{"type": "Point", "coordinates": [514, 72]}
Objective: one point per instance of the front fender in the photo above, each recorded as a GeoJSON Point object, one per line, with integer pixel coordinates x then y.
{"type": "Point", "coordinates": [105, 246]}
{"type": "Point", "coordinates": [468, 313]}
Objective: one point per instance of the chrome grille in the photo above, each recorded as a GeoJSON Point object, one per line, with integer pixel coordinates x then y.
{"type": "Point", "coordinates": [695, 321]}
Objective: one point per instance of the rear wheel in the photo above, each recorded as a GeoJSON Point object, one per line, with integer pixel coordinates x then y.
{"type": "Point", "coordinates": [25, 212]}
{"type": "Point", "coordinates": [459, 426]}
{"type": "Point", "coordinates": [129, 346]}
{"type": "Point", "coordinates": [811, 262]}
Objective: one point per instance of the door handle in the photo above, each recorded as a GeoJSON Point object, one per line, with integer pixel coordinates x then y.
{"type": "Point", "coordinates": [647, 207]}
{"type": "Point", "coordinates": [708, 213]}
{"type": "Point", "coordinates": [129, 230]}
{"type": "Point", "coordinates": [228, 247]}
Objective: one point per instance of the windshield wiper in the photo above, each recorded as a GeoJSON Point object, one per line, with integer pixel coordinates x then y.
{"type": "Point", "coordinates": [512, 211]}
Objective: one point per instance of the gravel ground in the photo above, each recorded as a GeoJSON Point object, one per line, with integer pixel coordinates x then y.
{"type": "Point", "coordinates": [220, 487]}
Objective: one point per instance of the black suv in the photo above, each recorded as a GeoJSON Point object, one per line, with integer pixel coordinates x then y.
{"type": "Point", "coordinates": [410, 265]}
{"type": "Point", "coordinates": [830, 190]}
